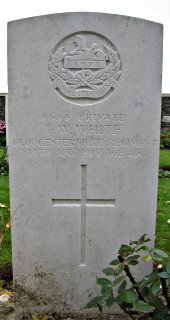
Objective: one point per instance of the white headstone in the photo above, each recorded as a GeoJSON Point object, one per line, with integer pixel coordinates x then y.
{"type": "Point", "coordinates": [84, 119]}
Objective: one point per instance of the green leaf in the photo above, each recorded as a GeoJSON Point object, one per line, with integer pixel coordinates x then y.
{"type": "Point", "coordinates": [155, 287]}
{"type": "Point", "coordinates": [154, 301]}
{"type": "Point", "coordinates": [153, 277]}
{"type": "Point", "coordinates": [100, 307]}
{"type": "Point", "coordinates": [161, 314]}
{"type": "Point", "coordinates": [122, 287]}
{"type": "Point", "coordinates": [125, 250]}
{"type": "Point", "coordinates": [164, 275]}
{"type": "Point", "coordinates": [147, 258]}
{"type": "Point", "coordinates": [128, 296]}
{"type": "Point", "coordinates": [147, 240]}
{"type": "Point", "coordinates": [142, 307]}
{"type": "Point", "coordinates": [118, 280]}
{"type": "Point", "coordinates": [103, 282]}
{"type": "Point", "coordinates": [95, 302]}
{"type": "Point", "coordinates": [143, 248]}
{"type": "Point", "coordinates": [145, 292]}
{"type": "Point", "coordinates": [115, 262]}
{"type": "Point", "coordinates": [168, 266]}
{"type": "Point", "coordinates": [143, 283]}
{"type": "Point", "coordinates": [158, 258]}
{"type": "Point", "coordinates": [133, 263]}
{"type": "Point", "coordinates": [133, 242]}
{"type": "Point", "coordinates": [98, 318]}
{"type": "Point", "coordinates": [160, 253]}
{"type": "Point", "coordinates": [119, 269]}
{"type": "Point", "coordinates": [106, 291]}
{"type": "Point", "coordinates": [110, 301]}
{"type": "Point", "coordinates": [108, 271]}
{"type": "Point", "coordinates": [142, 239]}
{"type": "Point", "coordinates": [132, 258]}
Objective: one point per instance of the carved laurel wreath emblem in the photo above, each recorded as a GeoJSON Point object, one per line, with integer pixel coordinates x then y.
{"type": "Point", "coordinates": [74, 73]}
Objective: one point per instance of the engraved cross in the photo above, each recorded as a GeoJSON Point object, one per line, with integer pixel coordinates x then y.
{"type": "Point", "coordinates": [84, 202]}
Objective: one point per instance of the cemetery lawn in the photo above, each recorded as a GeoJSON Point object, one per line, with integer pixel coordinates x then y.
{"type": "Point", "coordinates": [5, 250]}
{"type": "Point", "coordinates": [164, 159]}
{"type": "Point", "coordinates": [1, 152]}
{"type": "Point", "coordinates": [163, 215]}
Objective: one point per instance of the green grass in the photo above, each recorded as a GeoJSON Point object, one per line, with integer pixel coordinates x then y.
{"type": "Point", "coordinates": [163, 209]}
{"type": "Point", "coordinates": [163, 214]}
{"type": "Point", "coordinates": [5, 250]}
{"type": "Point", "coordinates": [4, 190]}
{"type": "Point", "coordinates": [1, 152]}
{"type": "Point", "coordinates": [164, 158]}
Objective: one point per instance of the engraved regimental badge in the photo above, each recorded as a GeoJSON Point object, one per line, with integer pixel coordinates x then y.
{"type": "Point", "coordinates": [84, 66]}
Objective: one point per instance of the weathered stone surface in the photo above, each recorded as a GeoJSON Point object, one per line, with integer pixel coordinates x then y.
{"type": "Point", "coordinates": [6, 308]}
{"type": "Point", "coordinates": [6, 311]}
{"type": "Point", "coordinates": [11, 316]}
{"type": "Point", "coordinates": [84, 118]}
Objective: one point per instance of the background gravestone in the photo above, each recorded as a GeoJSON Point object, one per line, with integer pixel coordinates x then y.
{"type": "Point", "coordinates": [84, 118]}
{"type": "Point", "coordinates": [165, 116]}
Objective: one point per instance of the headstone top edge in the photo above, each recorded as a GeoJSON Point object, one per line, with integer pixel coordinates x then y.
{"type": "Point", "coordinates": [85, 13]}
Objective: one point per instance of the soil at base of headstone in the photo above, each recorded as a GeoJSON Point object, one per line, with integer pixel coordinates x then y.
{"type": "Point", "coordinates": [165, 168]}
{"type": "Point", "coordinates": [113, 317]}
{"type": "Point", "coordinates": [6, 273]}
{"type": "Point", "coordinates": [110, 317]}
{"type": "Point", "coordinates": [7, 311]}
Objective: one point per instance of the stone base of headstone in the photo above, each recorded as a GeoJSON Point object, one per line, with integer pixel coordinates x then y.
{"type": "Point", "coordinates": [6, 311]}
{"type": "Point", "coordinates": [73, 316]}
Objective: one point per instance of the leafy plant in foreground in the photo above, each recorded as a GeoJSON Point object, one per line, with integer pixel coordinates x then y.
{"type": "Point", "coordinates": [4, 221]}
{"type": "Point", "coordinates": [164, 173]}
{"type": "Point", "coordinates": [145, 299]}
{"type": "Point", "coordinates": [4, 166]}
